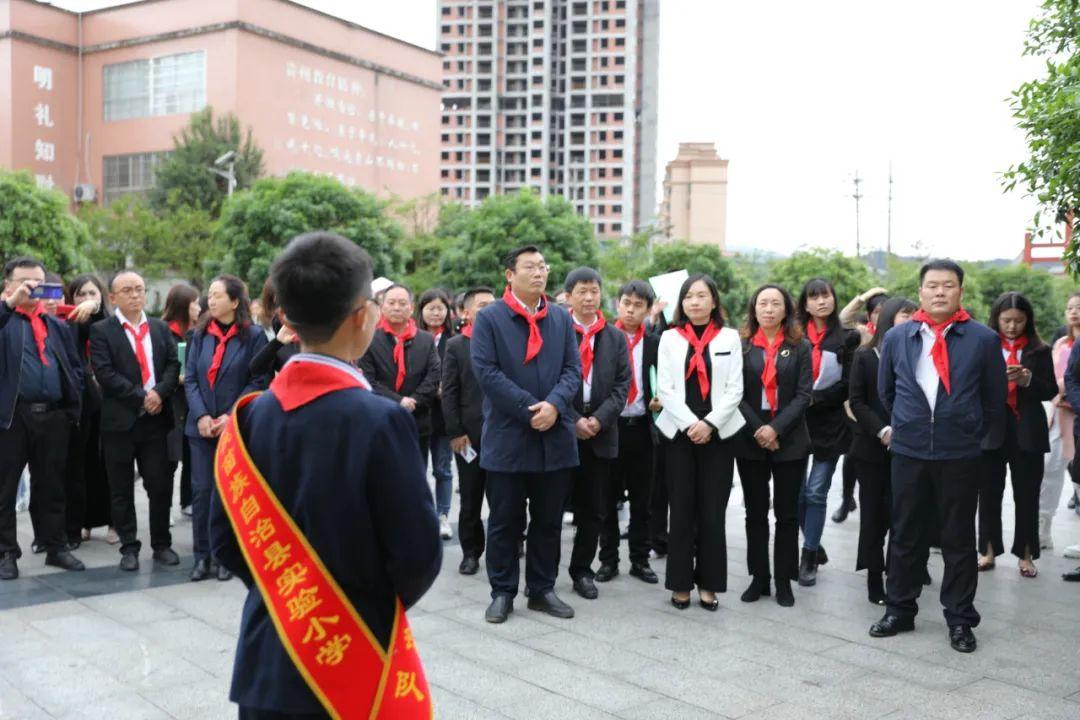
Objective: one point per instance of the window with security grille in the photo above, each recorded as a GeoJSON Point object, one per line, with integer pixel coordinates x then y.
{"type": "Point", "coordinates": [165, 85]}
{"type": "Point", "coordinates": [129, 174]}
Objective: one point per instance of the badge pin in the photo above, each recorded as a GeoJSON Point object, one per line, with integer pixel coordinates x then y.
{"type": "Point", "coordinates": [785, 352]}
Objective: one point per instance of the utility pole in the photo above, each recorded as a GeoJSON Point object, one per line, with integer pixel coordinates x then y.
{"type": "Point", "coordinates": [857, 196]}
{"type": "Point", "coordinates": [888, 237]}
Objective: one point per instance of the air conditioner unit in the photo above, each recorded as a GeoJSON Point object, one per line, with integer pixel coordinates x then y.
{"type": "Point", "coordinates": [85, 193]}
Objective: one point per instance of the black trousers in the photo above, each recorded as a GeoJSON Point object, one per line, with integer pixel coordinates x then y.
{"type": "Point", "coordinates": [508, 494]}
{"type": "Point", "coordinates": [634, 473]}
{"type": "Point", "coordinates": [1026, 474]}
{"type": "Point", "coordinates": [851, 475]}
{"type": "Point", "coordinates": [86, 484]}
{"type": "Point", "coordinates": [472, 479]}
{"type": "Point", "coordinates": [875, 501]}
{"type": "Point", "coordinates": [699, 485]}
{"type": "Point", "coordinates": [658, 500]}
{"type": "Point", "coordinates": [144, 444]}
{"type": "Point", "coordinates": [952, 487]}
{"type": "Point", "coordinates": [590, 494]}
{"type": "Point", "coordinates": [40, 439]}
{"type": "Point", "coordinates": [787, 479]}
{"type": "Point", "coordinates": [250, 713]}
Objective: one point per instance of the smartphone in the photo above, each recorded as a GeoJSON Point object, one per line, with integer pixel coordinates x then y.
{"type": "Point", "coordinates": [48, 291]}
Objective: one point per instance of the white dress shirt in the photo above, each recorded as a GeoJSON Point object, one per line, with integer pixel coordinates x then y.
{"type": "Point", "coordinates": [637, 408]}
{"type": "Point", "coordinates": [586, 382]}
{"type": "Point", "coordinates": [148, 347]}
{"type": "Point", "coordinates": [925, 372]}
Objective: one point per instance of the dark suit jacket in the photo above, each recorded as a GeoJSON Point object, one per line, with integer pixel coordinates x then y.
{"type": "Point", "coordinates": [1031, 430]}
{"type": "Point", "coordinates": [462, 401]}
{"type": "Point", "coordinates": [438, 422]}
{"type": "Point", "coordinates": [509, 443]}
{"type": "Point", "coordinates": [826, 418]}
{"type": "Point", "coordinates": [346, 467]}
{"type": "Point", "coordinates": [117, 371]}
{"type": "Point", "coordinates": [871, 417]}
{"type": "Point", "coordinates": [234, 378]}
{"type": "Point", "coordinates": [421, 373]}
{"type": "Point", "coordinates": [610, 384]}
{"type": "Point", "coordinates": [794, 379]}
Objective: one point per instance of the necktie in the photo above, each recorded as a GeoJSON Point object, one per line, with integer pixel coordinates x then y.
{"type": "Point", "coordinates": [697, 360]}
{"type": "Point", "coordinates": [536, 340]}
{"type": "Point", "coordinates": [140, 351]}
{"type": "Point", "coordinates": [939, 352]}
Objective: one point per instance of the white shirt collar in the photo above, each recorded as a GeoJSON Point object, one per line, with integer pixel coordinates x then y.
{"type": "Point", "coordinates": [334, 362]}
{"type": "Point", "coordinates": [124, 321]}
{"type": "Point", "coordinates": [583, 325]}
{"type": "Point", "coordinates": [522, 303]}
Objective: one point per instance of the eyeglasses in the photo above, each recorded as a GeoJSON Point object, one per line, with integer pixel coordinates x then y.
{"type": "Point", "coordinates": [131, 291]}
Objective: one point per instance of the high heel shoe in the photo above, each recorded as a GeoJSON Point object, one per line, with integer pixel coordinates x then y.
{"type": "Point", "coordinates": [710, 605]}
{"type": "Point", "coordinates": [680, 604]}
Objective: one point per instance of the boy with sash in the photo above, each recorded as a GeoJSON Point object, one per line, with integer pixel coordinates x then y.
{"type": "Point", "coordinates": [323, 510]}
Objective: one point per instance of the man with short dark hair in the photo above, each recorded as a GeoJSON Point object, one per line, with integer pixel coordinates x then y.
{"type": "Point", "coordinates": [942, 378]}
{"type": "Point", "coordinates": [41, 383]}
{"type": "Point", "coordinates": [135, 362]}
{"type": "Point", "coordinates": [524, 354]}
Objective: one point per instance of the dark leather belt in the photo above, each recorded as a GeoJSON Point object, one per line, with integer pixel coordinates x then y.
{"type": "Point", "coordinates": [37, 408]}
{"type": "Point", "coordinates": [631, 421]}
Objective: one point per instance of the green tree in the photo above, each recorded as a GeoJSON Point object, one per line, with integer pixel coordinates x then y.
{"type": "Point", "coordinates": [1036, 285]}
{"type": "Point", "coordinates": [708, 259]}
{"type": "Point", "coordinates": [36, 222]}
{"type": "Point", "coordinates": [850, 276]}
{"type": "Point", "coordinates": [185, 176]}
{"type": "Point", "coordinates": [624, 259]}
{"type": "Point", "coordinates": [257, 223]}
{"type": "Point", "coordinates": [1046, 110]}
{"type": "Point", "coordinates": [422, 247]}
{"type": "Point", "coordinates": [481, 238]}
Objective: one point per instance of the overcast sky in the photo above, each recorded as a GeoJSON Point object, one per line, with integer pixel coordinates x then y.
{"type": "Point", "coordinates": [798, 96]}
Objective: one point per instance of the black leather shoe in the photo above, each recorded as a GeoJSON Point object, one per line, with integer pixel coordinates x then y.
{"type": "Point", "coordinates": [129, 562]}
{"type": "Point", "coordinates": [890, 625]}
{"type": "Point", "coordinates": [847, 505]}
{"type": "Point", "coordinates": [201, 571]}
{"type": "Point", "coordinates": [469, 565]}
{"type": "Point", "coordinates": [680, 604]}
{"type": "Point", "coordinates": [822, 556]}
{"type": "Point", "coordinates": [1073, 576]}
{"type": "Point", "coordinates": [223, 573]}
{"type": "Point", "coordinates": [585, 587]}
{"type": "Point", "coordinates": [710, 606]}
{"type": "Point", "coordinates": [606, 573]}
{"type": "Point", "coordinates": [962, 639]}
{"type": "Point", "coordinates": [64, 560]}
{"type": "Point", "coordinates": [500, 608]}
{"type": "Point", "coordinates": [9, 570]}
{"type": "Point", "coordinates": [37, 548]}
{"type": "Point", "coordinates": [759, 587]}
{"type": "Point", "coordinates": [875, 588]}
{"type": "Point", "coordinates": [166, 556]}
{"type": "Point", "coordinates": [644, 572]}
{"type": "Point", "coordinates": [784, 596]}
{"type": "Point", "coordinates": [808, 568]}
{"type": "Point", "coordinates": [73, 545]}
{"type": "Point", "coordinates": [548, 602]}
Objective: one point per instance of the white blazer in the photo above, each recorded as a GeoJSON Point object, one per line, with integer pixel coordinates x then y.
{"type": "Point", "coordinates": [726, 385]}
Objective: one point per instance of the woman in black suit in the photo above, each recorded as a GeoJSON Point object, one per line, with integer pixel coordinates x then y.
{"type": "Point", "coordinates": [870, 449]}
{"type": "Point", "coordinates": [777, 383]}
{"type": "Point", "coordinates": [1030, 369]}
{"type": "Point", "coordinates": [433, 315]}
{"type": "Point", "coordinates": [181, 314]}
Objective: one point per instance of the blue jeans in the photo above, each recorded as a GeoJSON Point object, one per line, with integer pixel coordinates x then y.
{"type": "Point", "coordinates": [812, 499]}
{"type": "Point", "coordinates": [442, 459]}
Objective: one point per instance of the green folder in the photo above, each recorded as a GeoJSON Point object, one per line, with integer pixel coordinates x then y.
{"type": "Point", "coordinates": [181, 352]}
{"type": "Point", "coordinates": [652, 384]}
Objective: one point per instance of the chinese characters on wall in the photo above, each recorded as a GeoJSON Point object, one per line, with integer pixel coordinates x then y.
{"type": "Point", "coordinates": [45, 136]}
{"type": "Point", "coordinates": [340, 124]}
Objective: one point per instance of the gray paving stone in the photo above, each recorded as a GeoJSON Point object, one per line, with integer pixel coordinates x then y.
{"type": "Point", "coordinates": [725, 699]}
{"type": "Point", "coordinates": [454, 706]}
{"type": "Point", "coordinates": [932, 677]}
{"type": "Point", "coordinates": [828, 700]}
{"type": "Point", "coordinates": [1019, 701]}
{"type": "Point", "coordinates": [668, 709]}
{"type": "Point", "coordinates": [926, 703]}
{"type": "Point", "coordinates": [122, 707]}
{"type": "Point", "coordinates": [550, 706]}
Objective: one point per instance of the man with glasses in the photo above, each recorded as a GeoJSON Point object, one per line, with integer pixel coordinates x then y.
{"type": "Point", "coordinates": [41, 382]}
{"type": "Point", "coordinates": [136, 365]}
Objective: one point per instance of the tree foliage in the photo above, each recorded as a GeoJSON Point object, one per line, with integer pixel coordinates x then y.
{"type": "Point", "coordinates": [1037, 286]}
{"type": "Point", "coordinates": [185, 177]}
{"type": "Point", "coordinates": [850, 276]}
{"type": "Point", "coordinates": [256, 224]}
{"type": "Point", "coordinates": [481, 237]}
{"type": "Point", "coordinates": [36, 222]}
{"type": "Point", "coordinates": [708, 259]}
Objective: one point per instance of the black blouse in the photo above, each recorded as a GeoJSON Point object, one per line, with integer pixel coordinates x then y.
{"type": "Point", "coordinates": [700, 406]}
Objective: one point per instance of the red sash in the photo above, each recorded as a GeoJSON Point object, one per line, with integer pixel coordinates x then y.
{"type": "Point", "coordinates": [331, 646]}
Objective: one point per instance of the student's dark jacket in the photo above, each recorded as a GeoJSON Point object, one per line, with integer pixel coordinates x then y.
{"type": "Point", "coordinates": [871, 417]}
{"type": "Point", "coordinates": [610, 384]}
{"type": "Point", "coordinates": [60, 342]}
{"type": "Point", "coordinates": [794, 379]}
{"type": "Point", "coordinates": [117, 371]}
{"type": "Point", "coordinates": [975, 408]}
{"type": "Point", "coordinates": [347, 469]}
{"type": "Point", "coordinates": [234, 378]}
{"type": "Point", "coordinates": [1032, 431]}
{"type": "Point", "coordinates": [438, 421]}
{"type": "Point", "coordinates": [509, 444]}
{"type": "Point", "coordinates": [462, 401]}
{"type": "Point", "coordinates": [826, 418]}
{"type": "Point", "coordinates": [421, 373]}
{"type": "Point", "coordinates": [649, 356]}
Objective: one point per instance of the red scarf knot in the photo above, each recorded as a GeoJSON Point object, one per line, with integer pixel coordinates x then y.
{"type": "Point", "coordinates": [399, 347]}
{"type": "Point", "coordinates": [536, 340]}
{"type": "Point", "coordinates": [585, 346]}
{"type": "Point", "coordinates": [697, 360]}
{"type": "Point", "coordinates": [631, 343]}
{"type": "Point", "coordinates": [467, 330]}
{"type": "Point", "coordinates": [768, 374]}
{"type": "Point", "coordinates": [174, 327]}
{"type": "Point", "coordinates": [939, 352]}
{"type": "Point", "coordinates": [1014, 347]}
{"type": "Point", "coordinates": [214, 328]}
{"type": "Point", "coordinates": [36, 316]}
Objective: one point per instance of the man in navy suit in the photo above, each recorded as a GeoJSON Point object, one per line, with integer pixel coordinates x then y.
{"type": "Point", "coordinates": [942, 378]}
{"type": "Point", "coordinates": [525, 357]}
{"type": "Point", "coordinates": [344, 464]}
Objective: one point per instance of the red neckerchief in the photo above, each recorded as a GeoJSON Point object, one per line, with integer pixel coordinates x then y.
{"type": "Point", "coordinates": [140, 351]}
{"type": "Point", "coordinates": [174, 326]}
{"type": "Point", "coordinates": [308, 377]}
{"type": "Point", "coordinates": [536, 340]}
{"type": "Point", "coordinates": [697, 360]}
{"type": "Point", "coordinates": [631, 343]}
{"type": "Point", "coordinates": [466, 330]}
{"type": "Point", "coordinates": [1014, 359]}
{"type": "Point", "coordinates": [768, 374]}
{"type": "Point", "coordinates": [213, 328]}
{"type": "Point", "coordinates": [815, 337]}
{"type": "Point", "coordinates": [585, 348]}
{"type": "Point", "coordinates": [36, 316]}
{"type": "Point", "coordinates": [940, 351]}
{"type": "Point", "coordinates": [399, 347]}
{"type": "Point", "coordinates": [871, 327]}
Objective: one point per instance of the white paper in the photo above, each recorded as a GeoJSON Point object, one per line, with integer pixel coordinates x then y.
{"type": "Point", "coordinates": [468, 454]}
{"type": "Point", "coordinates": [830, 373]}
{"type": "Point", "coordinates": [667, 288]}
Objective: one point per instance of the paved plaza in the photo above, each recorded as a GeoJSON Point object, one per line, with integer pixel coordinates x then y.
{"type": "Point", "coordinates": [151, 645]}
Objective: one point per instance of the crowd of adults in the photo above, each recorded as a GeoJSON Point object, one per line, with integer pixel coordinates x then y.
{"type": "Point", "coordinates": [547, 408]}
